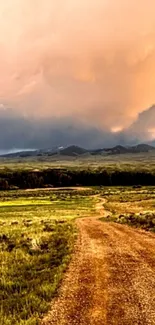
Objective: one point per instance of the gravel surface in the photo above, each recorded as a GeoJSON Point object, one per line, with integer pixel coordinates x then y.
{"type": "Point", "coordinates": [111, 279]}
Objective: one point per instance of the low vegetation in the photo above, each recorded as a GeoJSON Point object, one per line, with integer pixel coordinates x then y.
{"type": "Point", "coordinates": [144, 221]}
{"type": "Point", "coordinates": [37, 229]}
{"type": "Point", "coordinates": [108, 170]}
{"type": "Point", "coordinates": [135, 207]}
{"type": "Point", "coordinates": [32, 264]}
{"type": "Point", "coordinates": [36, 240]}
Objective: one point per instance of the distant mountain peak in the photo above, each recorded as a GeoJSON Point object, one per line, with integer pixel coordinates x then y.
{"type": "Point", "coordinates": [74, 150]}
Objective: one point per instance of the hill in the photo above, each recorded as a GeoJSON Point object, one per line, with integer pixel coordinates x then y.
{"type": "Point", "coordinates": [117, 150]}
{"type": "Point", "coordinates": [130, 149]}
{"type": "Point", "coordinates": [73, 151]}
{"type": "Point", "coordinates": [142, 148]}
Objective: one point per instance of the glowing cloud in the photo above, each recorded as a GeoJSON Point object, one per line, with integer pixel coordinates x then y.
{"type": "Point", "coordinates": [93, 60]}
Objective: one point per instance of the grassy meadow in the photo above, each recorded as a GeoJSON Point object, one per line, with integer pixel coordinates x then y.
{"type": "Point", "coordinates": [37, 234]}
{"type": "Point", "coordinates": [135, 207]}
{"type": "Point", "coordinates": [139, 161]}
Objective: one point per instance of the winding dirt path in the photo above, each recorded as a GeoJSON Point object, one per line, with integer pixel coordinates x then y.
{"type": "Point", "coordinates": [111, 279]}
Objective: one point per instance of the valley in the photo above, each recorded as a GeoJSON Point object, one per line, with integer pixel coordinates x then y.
{"type": "Point", "coordinates": [108, 256]}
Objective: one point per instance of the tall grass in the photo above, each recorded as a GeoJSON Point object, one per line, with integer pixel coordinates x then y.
{"type": "Point", "coordinates": [32, 264]}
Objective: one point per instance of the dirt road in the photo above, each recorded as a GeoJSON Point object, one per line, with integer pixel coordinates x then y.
{"type": "Point", "coordinates": [111, 279]}
{"type": "Point", "coordinates": [74, 188]}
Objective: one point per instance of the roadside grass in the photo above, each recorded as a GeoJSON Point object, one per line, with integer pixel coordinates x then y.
{"type": "Point", "coordinates": [130, 206]}
{"type": "Point", "coordinates": [32, 263]}
{"type": "Point", "coordinates": [37, 234]}
{"type": "Point", "coordinates": [36, 242]}
{"type": "Point", "coordinates": [144, 221]}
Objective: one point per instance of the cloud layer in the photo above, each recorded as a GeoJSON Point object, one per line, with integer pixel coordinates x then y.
{"type": "Point", "coordinates": [89, 60]}
{"type": "Point", "coordinates": [19, 132]}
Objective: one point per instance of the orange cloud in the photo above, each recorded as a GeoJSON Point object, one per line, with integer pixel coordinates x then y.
{"type": "Point", "coordinates": [89, 59]}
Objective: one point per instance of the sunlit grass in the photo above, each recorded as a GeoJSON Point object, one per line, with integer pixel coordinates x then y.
{"type": "Point", "coordinates": [33, 258]}
{"type": "Point", "coordinates": [19, 202]}
{"type": "Point", "coordinates": [130, 206]}
{"type": "Point", "coordinates": [37, 234]}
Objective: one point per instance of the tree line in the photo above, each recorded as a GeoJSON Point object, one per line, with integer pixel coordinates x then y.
{"type": "Point", "coordinates": [65, 177]}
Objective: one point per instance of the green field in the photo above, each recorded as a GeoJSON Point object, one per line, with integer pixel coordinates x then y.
{"type": "Point", "coordinates": [142, 161]}
{"type": "Point", "coordinates": [37, 234]}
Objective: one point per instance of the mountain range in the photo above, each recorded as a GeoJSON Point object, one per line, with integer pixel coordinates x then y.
{"type": "Point", "coordinates": [73, 151]}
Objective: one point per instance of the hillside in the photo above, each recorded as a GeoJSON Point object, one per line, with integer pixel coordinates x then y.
{"type": "Point", "coordinates": [133, 149]}
{"type": "Point", "coordinates": [142, 148]}
{"type": "Point", "coordinates": [73, 151]}
{"type": "Point", "coordinates": [117, 150]}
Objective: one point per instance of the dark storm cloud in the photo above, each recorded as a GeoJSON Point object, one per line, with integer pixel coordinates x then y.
{"type": "Point", "coordinates": [20, 132]}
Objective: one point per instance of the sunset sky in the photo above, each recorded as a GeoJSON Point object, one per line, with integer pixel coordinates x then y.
{"type": "Point", "coordinates": [92, 61]}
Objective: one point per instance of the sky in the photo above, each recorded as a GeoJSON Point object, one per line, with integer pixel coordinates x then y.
{"type": "Point", "coordinates": [76, 64]}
